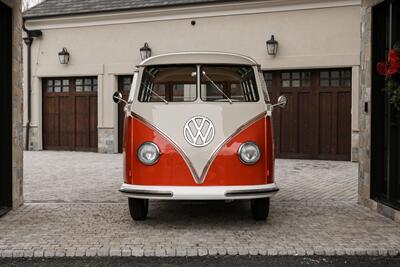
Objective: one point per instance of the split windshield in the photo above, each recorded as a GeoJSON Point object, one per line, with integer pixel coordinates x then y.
{"type": "Point", "coordinates": [218, 83]}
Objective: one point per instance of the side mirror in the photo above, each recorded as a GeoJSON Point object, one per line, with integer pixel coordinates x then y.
{"type": "Point", "coordinates": [117, 97]}
{"type": "Point", "coordinates": [282, 101]}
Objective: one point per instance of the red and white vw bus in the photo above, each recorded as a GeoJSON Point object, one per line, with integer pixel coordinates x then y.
{"type": "Point", "coordinates": [198, 127]}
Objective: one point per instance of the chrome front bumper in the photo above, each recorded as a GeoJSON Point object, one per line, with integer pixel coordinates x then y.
{"type": "Point", "coordinates": [199, 192]}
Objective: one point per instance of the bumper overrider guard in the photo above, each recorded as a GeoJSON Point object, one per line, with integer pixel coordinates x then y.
{"type": "Point", "coordinates": [199, 192]}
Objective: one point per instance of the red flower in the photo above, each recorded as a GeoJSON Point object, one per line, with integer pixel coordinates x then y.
{"type": "Point", "coordinates": [394, 59]}
{"type": "Point", "coordinates": [392, 66]}
{"type": "Point", "coordinates": [382, 68]}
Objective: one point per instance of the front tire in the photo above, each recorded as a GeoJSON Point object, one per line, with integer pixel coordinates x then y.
{"type": "Point", "coordinates": [260, 208]}
{"type": "Point", "coordinates": [138, 208]}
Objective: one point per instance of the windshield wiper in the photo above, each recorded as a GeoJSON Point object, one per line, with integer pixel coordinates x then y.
{"type": "Point", "coordinates": [216, 87]}
{"type": "Point", "coordinates": [157, 95]}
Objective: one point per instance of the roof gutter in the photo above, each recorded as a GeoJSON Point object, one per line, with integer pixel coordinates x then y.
{"type": "Point", "coordinates": [32, 14]}
{"type": "Point", "coordinates": [30, 35]}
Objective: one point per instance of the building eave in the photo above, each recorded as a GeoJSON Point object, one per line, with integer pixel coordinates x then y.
{"type": "Point", "coordinates": [33, 17]}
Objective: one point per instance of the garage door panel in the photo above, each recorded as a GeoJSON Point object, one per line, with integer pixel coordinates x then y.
{"type": "Point", "coordinates": [70, 113]}
{"type": "Point", "coordinates": [288, 119]}
{"type": "Point", "coordinates": [51, 112]}
{"type": "Point", "coordinates": [344, 123]}
{"type": "Point", "coordinates": [306, 123]}
{"type": "Point", "coordinates": [66, 121]}
{"type": "Point", "coordinates": [93, 121]}
{"type": "Point", "coordinates": [316, 124]}
{"type": "Point", "coordinates": [82, 121]}
{"type": "Point", "coordinates": [325, 123]}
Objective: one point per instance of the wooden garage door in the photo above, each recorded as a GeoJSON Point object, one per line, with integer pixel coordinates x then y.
{"type": "Point", "coordinates": [316, 124]}
{"type": "Point", "coordinates": [70, 114]}
{"type": "Point", "coordinates": [124, 86]}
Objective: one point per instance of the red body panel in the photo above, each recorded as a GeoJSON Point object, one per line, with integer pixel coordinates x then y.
{"type": "Point", "coordinates": [227, 169]}
{"type": "Point", "coordinates": [172, 170]}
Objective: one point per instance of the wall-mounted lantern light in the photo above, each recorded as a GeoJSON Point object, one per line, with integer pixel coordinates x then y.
{"type": "Point", "coordinates": [272, 46]}
{"type": "Point", "coordinates": [63, 56]}
{"type": "Point", "coordinates": [145, 51]}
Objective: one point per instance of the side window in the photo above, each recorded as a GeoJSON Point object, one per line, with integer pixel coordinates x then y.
{"type": "Point", "coordinates": [335, 78]}
{"type": "Point", "coordinates": [268, 80]}
{"type": "Point", "coordinates": [57, 85]}
{"type": "Point", "coordinates": [71, 85]}
{"type": "Point", "coordinates": [50, 86]}
{"type": "Point", "coordinates": [86, 85]}
{"type": "Point", "coordinates": [79, 85]}
{"type": "Point", "coordinates": [306, 79]}
{"type": "Point", "coordinates": [285, 79]}
{"type": "Point", "coordinates": [296, 79]}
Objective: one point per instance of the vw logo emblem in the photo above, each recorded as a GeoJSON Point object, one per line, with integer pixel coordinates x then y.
{"type": "Point", "coordinates": [199, 131]}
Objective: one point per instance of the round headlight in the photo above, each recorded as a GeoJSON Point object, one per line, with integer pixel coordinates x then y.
{"type": "Point", "coordinates": [148, 153]}
{"type": "Point", "coordinates": [249, 153]}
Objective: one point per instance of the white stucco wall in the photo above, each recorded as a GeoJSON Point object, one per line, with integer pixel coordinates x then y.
{"type": "Point", "coordinates": [316, 34]}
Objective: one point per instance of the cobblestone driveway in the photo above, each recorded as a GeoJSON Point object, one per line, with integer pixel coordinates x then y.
{"type": "Point", "coordinates": [73, 209]}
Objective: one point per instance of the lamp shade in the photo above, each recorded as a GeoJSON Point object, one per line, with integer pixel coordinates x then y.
{"type": "Point", "coordinates": [272, 46]}
{"type": "Point", "coordinates": [145, 51]}
{"type": "Point", "coordinates": [63, 56]}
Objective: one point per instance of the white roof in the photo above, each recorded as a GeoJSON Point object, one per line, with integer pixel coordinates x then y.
{"type": "Point", "coordinates": [199, 58]}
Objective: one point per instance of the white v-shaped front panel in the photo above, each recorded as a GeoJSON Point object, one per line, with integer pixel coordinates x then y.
{"type": "Point", "coordinates": [198, 129]}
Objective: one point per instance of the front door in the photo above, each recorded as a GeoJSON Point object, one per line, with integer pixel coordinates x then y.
{"type": "Point", "coordinates": [70, 114]}
{"type": "Point", "coordinates": [5, 109]}
{"type": "Point", "coordinates": [316, 124]}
